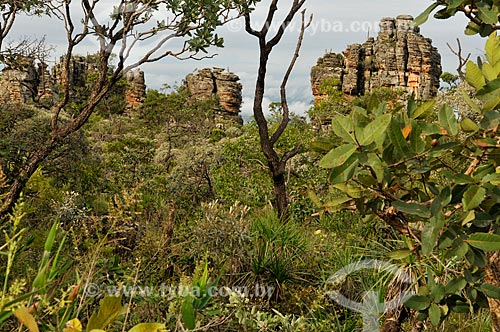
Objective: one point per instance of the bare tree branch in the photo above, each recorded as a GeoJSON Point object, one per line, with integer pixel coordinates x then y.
{"type": "Point", "coordinates": [461, 60]}
{"type": "Point", "coordinates": [284, 103]}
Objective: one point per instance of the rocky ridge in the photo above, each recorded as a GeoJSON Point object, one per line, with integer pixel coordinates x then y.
{"type": "Point", "coordinates": [28, 82]}
{"type": "Point", "coordinates": [400, 58]}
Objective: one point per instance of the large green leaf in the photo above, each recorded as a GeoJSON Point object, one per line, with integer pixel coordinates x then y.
{"type": "Point", "coordinates": [429, 238]}
{"type": "Point", "coordinates": [475, 107]}
{"type": "Point", "coordinates": [335, 204]}
{"type": "Point", "coordinates": [490, 290]}
{"type": "Point", "coordinates": [491, 100]}
{"type": "Point", "coordinates": [377, 166]}
{"type": "Point", "coordinates": [493, 178]}
{"type": "Point", "coordinates": [346, 171]}
{"type": "Point", "coordinates": [468, 125]}
{"type": "Point", "coordinates": [492, 49]}
{"type": "Point", "coordinates": [472, 29]}
{"type": "Point", "coordinates": [412, 208]}
{"type": "Point", "coordinates": [455, 286]}
{"type": "Point", "coordinates": [435, 314]}
{"type": "Point", "coordinates": [349, 189]}
{"type": "Point", "coordinates": [448, 120]}
{"type": "Point", "coordinates": [322, 144]}
{"type": "Point", "coordinates": [418, 302]}
{"type": "Point", "coordinates": [110, 308]}
{"type": "Point", "coordinates": [458, 251]}
{"type": "Point", "coordinates": [489, 87]}
{"type": "Point", "coordinates": [338, 156]}
{"type": "Point", "coordinates": [424, 16]}
{"type": "Point", "coordinates": [423, 109]}
{"type": "Point", "coordinates": [458, 178]}
{"type": "Point", "coordinates": [445, 196]}
{"type": "Point", "coordinates": [489, 71]}
{"type": "Point", "coordinates": [474, 75]}
{"type": "Point", "coordinates": [375, 130]}
{"type": "Point", "coordinates": [473, 197]}
{"type": "Point", "coordinates": [417, 144]}
{"type": "Point", "coordinates": [188, 313]}
{"type": "Point", "coordinates": [343, 127]}
{"type": "Point", "coordinates": [485, 30]}
{"type": "Point", "coordinates": [490, 120]}
{"type": "Point", "coordinates": [437, 293]}
{"type": "Point", "coordinates": [148, 327]}
{"type": "Point", "coordinates": [484, 241]}
{"type": "Point", "coordinates": [486, 13]}
{"type": "Point", "coordinates": [399, 254]}
{"type": "Point", "coordinates": [398, 140]}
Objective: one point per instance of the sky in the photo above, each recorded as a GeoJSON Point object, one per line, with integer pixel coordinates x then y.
{"type": "Point", "coordinates": [335, 25]}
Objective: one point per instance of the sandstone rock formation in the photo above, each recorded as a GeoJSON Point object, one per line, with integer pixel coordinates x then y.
{"type": "Point", "coordinates": [24, 81]}
{"type": "Point", "coordinates": [79, 69]}
{"type": "Point", "coordinates": [135, 92]}
{"type": "Point", "coordinates": [219, 84]}
{"type": "Point", "coordinates": [400, 57]}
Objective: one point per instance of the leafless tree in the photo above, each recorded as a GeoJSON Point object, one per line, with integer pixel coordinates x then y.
{"type": "Point", "coordinates": [276, 163]}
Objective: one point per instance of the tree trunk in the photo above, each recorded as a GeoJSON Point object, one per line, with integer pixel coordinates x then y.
{"type": "Point", "coordinates": [280, 194]}
{"type": "Point", "coordinates": [493, 278]}
{"type": "Point", "coordinates": [57, 135]}
{"type": "Point", "coordinates": [24, 175]}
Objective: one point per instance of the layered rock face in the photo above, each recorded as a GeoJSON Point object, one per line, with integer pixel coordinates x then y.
{"type": "Point", "coordinates": [79, 69]}
{"type": "Point", "coordinates": [135, 93]}
{"type": "Point", "coordinates": [25, 81]}
{"type": "Point", "coordinates": [400, 57]}
{"type": "Point", "coordinates": [224, 86]}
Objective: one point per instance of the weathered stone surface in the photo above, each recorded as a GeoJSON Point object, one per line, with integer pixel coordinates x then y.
{"type": "Point", "coordinates": [201, 84]}
{"type": "Point", "coordinates": [216, 83]}
{"type": "Point", "coordinates": [400, 57]}
{"type": "Point", "coordinates": [25, 82]}
{"type": "Point", "coordinates": [79, 69]}
{"type": "Point", "coordinates": [135, 93]}
{"type": "Point", "coordinates": [45, 88]}
{"type": "Point", "coordinates": [330, 65]}
{"type": "Point", "coordinates": [228, 91]}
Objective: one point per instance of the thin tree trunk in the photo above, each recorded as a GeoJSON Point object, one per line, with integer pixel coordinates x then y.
{"type": "Point", "coordinates": [280, 194]}
{"type": "Point", "coordinates": [493, 278]}
{"type": "Point", "coordinates": [24, 175]}
{"type": "Point", "coordinates": [277, 164]}
{"type": "Point", "coordinates": [44, 151]}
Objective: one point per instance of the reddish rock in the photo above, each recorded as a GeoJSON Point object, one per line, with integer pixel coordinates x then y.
{"type": "Point", "coordinates": [400, 58]}
{"type": "Point", "coordinates": [224, 86]}
{"type": "Point", "coordinates": [135, 93]}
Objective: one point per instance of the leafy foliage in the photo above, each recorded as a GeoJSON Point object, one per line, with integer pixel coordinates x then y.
{"type": "Point", "coordinates": [435, 181]}
{"type": "Point", "coordinates": [483, 15]}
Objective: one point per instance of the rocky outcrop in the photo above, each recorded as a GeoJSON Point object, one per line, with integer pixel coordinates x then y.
{"type": "Point", "coordinates": [223, 86]}
{"type": "Point", "coordinates": [135, 92]}
{"type": "Point", "coordinates": [80, 68]}
{"type": "Point", "coordinates": [24, 82]}
{"type": "Point", "coordinates": [329, 66]}
{"type": "Point", "coordinates": [400, 58]}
